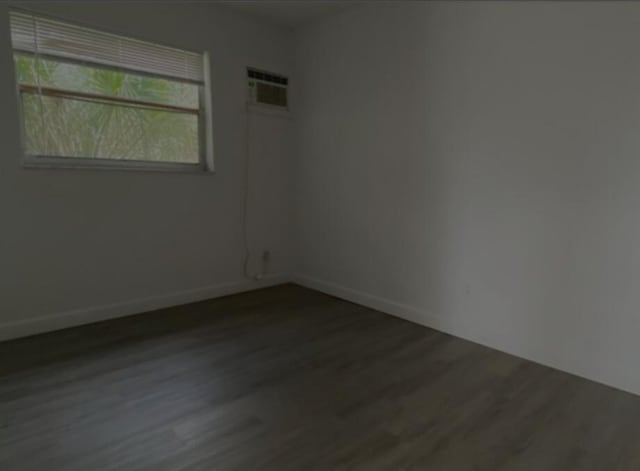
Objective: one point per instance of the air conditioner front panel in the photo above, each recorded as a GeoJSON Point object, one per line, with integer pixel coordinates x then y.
{"type": "Point", "coordinates": [271, 95]}
{"type": "Point", "coordinates": [266, 88]}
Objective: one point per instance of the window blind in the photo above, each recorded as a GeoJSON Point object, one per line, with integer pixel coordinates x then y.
{"type": "Point", "coordinates": [43, 36]}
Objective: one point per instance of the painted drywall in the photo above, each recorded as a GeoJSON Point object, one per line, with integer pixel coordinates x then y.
{"type": "Point", "coordinates": [475, 166]}
{"type": "Point", "coordinates": [88, 244]}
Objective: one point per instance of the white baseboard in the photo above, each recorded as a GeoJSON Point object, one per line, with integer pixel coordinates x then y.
{"type": "Point", "coordinates": [89, 315]}
{"type": "Point", "coordinates": [615, 375]}
{"type": "Point", "coordinates": [622, 378]}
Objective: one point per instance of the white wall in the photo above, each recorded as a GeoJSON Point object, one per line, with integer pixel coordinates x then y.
{"type": "Point", "coordinates": [476, 167]}
{"type": "Point", "coordinates": [76, 246]}
{"type": "Point", "coordinates": [470, 166]}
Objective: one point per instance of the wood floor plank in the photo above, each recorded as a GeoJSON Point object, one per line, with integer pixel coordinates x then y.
{"type": "Point", "coordinates": [290, 379]}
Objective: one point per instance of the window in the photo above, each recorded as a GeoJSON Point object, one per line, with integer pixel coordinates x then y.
{"type": "Point", "coordinates": [89, 98]}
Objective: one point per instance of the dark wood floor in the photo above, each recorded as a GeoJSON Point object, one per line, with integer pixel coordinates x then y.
{"type": "Point", "coordinates": [290, 379]}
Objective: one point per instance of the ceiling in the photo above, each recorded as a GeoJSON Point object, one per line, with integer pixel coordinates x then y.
{"type": "Point", "coordinates": [289, 14]}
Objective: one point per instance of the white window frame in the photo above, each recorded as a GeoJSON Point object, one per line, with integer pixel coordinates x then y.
{"type": "Point", "coordinates": [205, 134]}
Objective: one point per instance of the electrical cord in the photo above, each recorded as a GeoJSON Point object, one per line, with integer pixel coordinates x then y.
{"type": "Point", "coordinates": [245, 209]}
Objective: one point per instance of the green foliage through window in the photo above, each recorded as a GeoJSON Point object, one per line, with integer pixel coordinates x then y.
{"type": "Point", "coordinates": [77, 111]}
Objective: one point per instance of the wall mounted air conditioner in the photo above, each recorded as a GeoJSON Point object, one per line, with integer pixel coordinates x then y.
{"type": "Point", "coordinates": [266, 88]}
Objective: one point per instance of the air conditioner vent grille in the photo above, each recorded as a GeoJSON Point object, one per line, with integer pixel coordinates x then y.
{"type": "Point", "coordinates": [267, 77]}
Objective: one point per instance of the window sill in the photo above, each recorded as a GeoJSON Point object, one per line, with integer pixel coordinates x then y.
{"type": "Point", "coordinates": [66, 163]}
